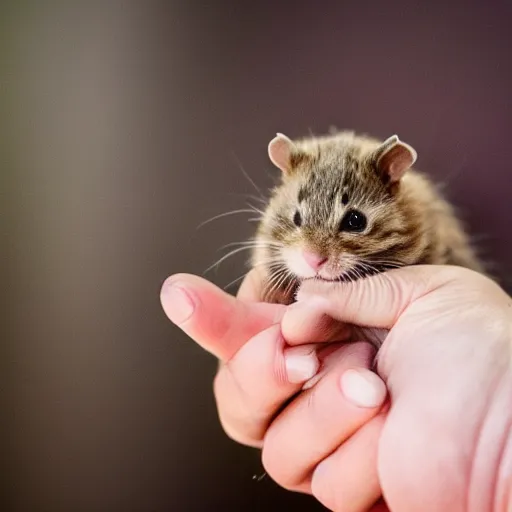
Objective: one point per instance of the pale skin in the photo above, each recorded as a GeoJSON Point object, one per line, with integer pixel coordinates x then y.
{"type": "Point", "coordinates": [432, 433]}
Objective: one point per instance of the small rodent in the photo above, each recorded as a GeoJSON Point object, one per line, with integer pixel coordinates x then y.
{"type": "Point", "coordinates": [349, 206]}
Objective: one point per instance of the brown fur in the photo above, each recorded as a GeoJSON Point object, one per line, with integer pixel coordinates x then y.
{"type": "Point", "coordinates": [409, 222]}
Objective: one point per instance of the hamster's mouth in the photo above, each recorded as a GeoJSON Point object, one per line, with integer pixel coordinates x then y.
{"type": "Point", "coordinates": [356, 273]}
{"type": "Point", "coordinates": [320, 278]}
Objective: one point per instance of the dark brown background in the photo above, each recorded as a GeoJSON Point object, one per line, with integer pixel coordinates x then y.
{"type": "Point", "coordinates": [118, 132]}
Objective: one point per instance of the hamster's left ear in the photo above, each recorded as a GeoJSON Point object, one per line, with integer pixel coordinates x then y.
{"type": "Point", "coordinates": [394, 158]}
{"type": "Point", "coordinates": [280, 152]}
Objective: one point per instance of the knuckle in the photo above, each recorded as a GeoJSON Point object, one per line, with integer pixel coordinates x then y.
{"type": "Point", "coordinates": [239, 435]}
{"type": "Point", "coordinates": [272, 466]}
{"type": "Point", "coordinates": [234, 418]}
{"type": "Point", "coordinates": [275, 464]}
{"type": "Point", "coordinates": [325, 492]}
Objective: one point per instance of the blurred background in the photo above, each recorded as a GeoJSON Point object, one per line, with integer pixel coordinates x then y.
{"type": "Point", "coordinates": [124, 126]}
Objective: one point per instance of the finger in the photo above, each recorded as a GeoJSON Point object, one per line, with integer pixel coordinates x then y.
{"type": "Point", "coordinates": [310, 322]}
{"type": "Point", "coordinates": [373, 302]}
{"type": "Point", "coordinates": [253, 386]}
{"type": "Point", "coordinates": [347, 480]}
{"type": "Point", "coordinates": [217, 321]}
{"type": "Point", "coordinates": [307, 322]}
{"type": "Point", "coordinates": [323, 417]}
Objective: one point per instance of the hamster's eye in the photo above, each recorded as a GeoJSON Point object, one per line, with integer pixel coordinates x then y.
{"type": "Point", "coordinates": [297, 219]}
{"type": "Point", "coordinates": [353, 221]}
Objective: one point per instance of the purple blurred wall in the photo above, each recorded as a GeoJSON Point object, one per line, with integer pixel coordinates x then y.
{"type": "Point", "coordinates": [122, 131]}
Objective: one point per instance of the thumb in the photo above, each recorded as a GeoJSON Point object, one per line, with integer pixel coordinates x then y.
{"type": "Point", "coordinates": [215, 320]}
{"type": "Point", "coordinates": [375, 302]}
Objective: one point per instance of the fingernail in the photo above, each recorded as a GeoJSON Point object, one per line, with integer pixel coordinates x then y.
{"type": "Point", "coordinates": [300, 366]}
{"type": "Point", "coordinates": [178, 304]}
{"type": "Point", "coordinates": [363, 388]}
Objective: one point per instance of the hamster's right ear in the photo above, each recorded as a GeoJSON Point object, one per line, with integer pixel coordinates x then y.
{"type": "Point", "coordinates": [280, 152]}
{"type": "Point", "coordinates": [394, 158]}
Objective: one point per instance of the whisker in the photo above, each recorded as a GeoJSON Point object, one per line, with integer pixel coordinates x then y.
{"type": "Point", "coordinates": [253, 243]}
{"type": "Point", "coordinates": [285, 276]}
{"type": "Point", "coordinates": [356, 273]}
{"type": "Point", "coordinates": [225, 214]}
{"type": "Point", "coordinates": [276, 284]}
{"type": "Point", "coordinates": [384, 263]}
{"type": "Point", "coordinates": [225, 257]}
{"type": "Point", "coordinates": [276, 279]}
{"type": "Point", "coordinates": [259, 241]}
{"type": "Point", "coordinates": [256, 210]}
{"type": "Point", "coordinates": [291, 284]}
{"type": "Point", "coordinates": [241, 167]}
{"type": "Point", "coordinates": [269, 262]}
{"type": "Point", "coordinates": [261, 200]}
{"type": "Point", "coordinates": [236, 280]}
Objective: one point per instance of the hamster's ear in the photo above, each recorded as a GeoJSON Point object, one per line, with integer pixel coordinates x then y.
{"type": "Point", "coordinates": [393, 158]}
{"type": "Point", "coordinates": [280, 152]}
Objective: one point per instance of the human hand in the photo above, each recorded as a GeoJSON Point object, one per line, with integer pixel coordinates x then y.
{"type": "Point", "coordinates": [446, 442]}
{"type": "Point", "coordinates": [259, 373]}
{"type": "Point", "coordinates": [330, 481]}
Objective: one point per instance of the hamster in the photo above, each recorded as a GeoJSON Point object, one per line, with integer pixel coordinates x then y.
{"type": "Point", "coordinates": [349, 206]}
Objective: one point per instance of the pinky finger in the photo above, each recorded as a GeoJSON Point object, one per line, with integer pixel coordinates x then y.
{"type": "Point", "coordinates": [347, 480]}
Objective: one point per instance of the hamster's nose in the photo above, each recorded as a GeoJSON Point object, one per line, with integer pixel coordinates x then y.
{"type": "Point", "coordinates": [314, 260]}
